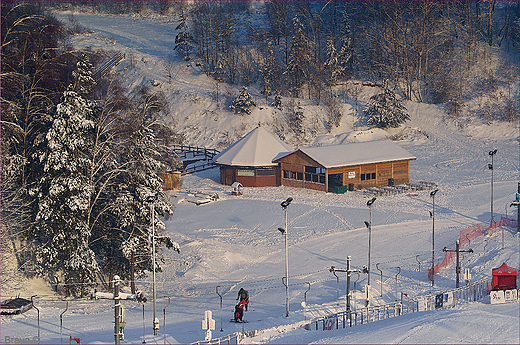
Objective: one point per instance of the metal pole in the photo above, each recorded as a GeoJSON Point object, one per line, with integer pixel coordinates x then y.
{"type": "Point", "coordinates": [220, 307]}
{"type": "Point", "coordinates": [337, 284]}
{"type": "Point", "coordinates": [116, 309]}
{"type": "Point", "coordinates": [432, 195]}
{"type": "Point", "coordinates": [377, 266]}
{"type": "Point", "coordinates": [419, 278]}
{"type": "Point", "coordinates": [458, 262]}
{"type": "Point", "coordinates": [369, 242]}
{"type": "Point", "coordinates": [348, 282]}
{"type": "Point", "coordinates": [286, 269]}
{"type": "Point", "coordinates": [155, 320]}
{"type": "Point", "coordinates": [164, 320]}
{"type": "Point", "coordinates": [38, 310]}
{"type": "Point", "coordinates": [305, 294]}
{"type": "Point", "coordinates": [396, 289]}
{"type": "Point", "coordinates": [61, 321]}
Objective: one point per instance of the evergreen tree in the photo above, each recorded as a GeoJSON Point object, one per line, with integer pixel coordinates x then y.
{"type": "Point", "coordinates": [277, 103]}
{"type": "Point", "coordinates": [299, 59]}
{"type": "Point", "coordinates": [64, 199]}
{"type": "Point", "coordinates": [385, 110]}
{"type": "Point", "coordinates": [243, 103]}
{"type": "Point", "coordinates": [270, 72]}
{"type": "Point", "coordinates": [346, 52]}
{"type": "Point", "coordinates": [332, 62]}
{"type": "Point", "coordinates": [296, 118]}
{"type": "Point", "coordinates": [139, 185]}
{"type": "Point", "coordinates": [183, 40]}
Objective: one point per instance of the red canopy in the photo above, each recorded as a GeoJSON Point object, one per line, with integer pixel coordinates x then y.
{"type": "Point", "coordinates": [504, 278]}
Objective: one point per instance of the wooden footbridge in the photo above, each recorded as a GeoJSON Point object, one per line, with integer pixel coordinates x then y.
{"type": "Point", "coordinates": [192, 154]}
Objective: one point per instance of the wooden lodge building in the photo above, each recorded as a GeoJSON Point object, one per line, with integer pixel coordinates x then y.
{"type": "Point", "coordinates": [260, 159]}
{"type": "Point", "coordinates": [353, 166]}
{"type": "Point", "coordinates": [250, 160]}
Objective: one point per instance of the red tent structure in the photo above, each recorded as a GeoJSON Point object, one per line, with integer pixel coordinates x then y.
{"type": "Point", "coordinates": [504, 278]}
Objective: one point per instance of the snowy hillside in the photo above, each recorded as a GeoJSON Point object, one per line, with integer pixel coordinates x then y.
{"type": "Point", "coordinates": [234, 242]}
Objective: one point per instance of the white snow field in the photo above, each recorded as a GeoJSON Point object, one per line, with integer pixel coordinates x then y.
{"type": "Point", "coordinates": [234, 242]}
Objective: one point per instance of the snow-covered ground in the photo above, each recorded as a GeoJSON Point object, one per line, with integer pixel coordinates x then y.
{"type": "Point", "coordinates": [234, 242]}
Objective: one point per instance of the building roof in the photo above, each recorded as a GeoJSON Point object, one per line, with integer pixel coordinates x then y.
{"type": "Point", "coordinates": [354, 154]}
{"type": "Point", "coordinates": [257, 148]}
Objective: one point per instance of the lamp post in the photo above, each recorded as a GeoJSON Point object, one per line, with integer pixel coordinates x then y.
{"type": "Point", "coordinates": [152, 199]}
{"type": "Point", "coordinates": [369, 226]}
{"type": "Point", "coordinates": [284, 205]}
{"type": "Point", "coordinates": [490, 166]}
{"type": "Point", "coordinates": [432, 214]}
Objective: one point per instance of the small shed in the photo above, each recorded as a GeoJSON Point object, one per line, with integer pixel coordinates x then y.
{"type": "Point", "coordinates": [250, 160]}
{"type": "Point", "coordinates": [237, 188]}
{"type": "Point", "coordinates": [504, 278]}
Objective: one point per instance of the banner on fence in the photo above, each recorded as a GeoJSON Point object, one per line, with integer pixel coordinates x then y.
{"type": "Point", "coordinates": [448, 299]}
{"type": "Point", "coordinates": [511, 295]}
{"type": "Point", "coordinates": [438, 301]}
{"type": "Point", "coordinates": [497, 297]}
{"type": "Point", "coordinates": [329, 323]}
{"type": "Point", "coordinates": [422, 304]}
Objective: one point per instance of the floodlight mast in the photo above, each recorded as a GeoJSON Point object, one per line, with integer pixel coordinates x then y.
{"type": "Point", "coordinates": [152, 199]}
{"type": "Point", "coordinates": [369, 226]}
{"type": "Point", "coordinates": [432, 195]}
{"type": "Point", "coordinates": [490, 166]}
{"type": "Point", "coordinates": [284, 205]}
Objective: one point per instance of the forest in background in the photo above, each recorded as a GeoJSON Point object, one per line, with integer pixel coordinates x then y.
{"type": "Point", "coordinates": [81, 155]}
{"type": "Point", "coordinates": [442, 52]}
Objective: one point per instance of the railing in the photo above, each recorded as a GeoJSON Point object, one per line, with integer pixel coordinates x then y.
{"type": "Point", "coordinates": [195, 151]}
{"type": "Point", "coordinates": [197, 168]}
{"type": "Point", "coordinates": [448, 299]}
{"type": "Point", "coordinates": [222, 340]}
{"type": "Point", "coordinates": [360, 316]}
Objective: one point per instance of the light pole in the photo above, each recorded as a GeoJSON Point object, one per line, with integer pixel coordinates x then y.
{"type": "Point", "coordinates": [152, 199]}
{"type": "Point", "coordinates": [369, 226]}
{"type": "Point", "coordinates": [490, 166]}
{"type": "Point", "coordinates": [284, 205]}
{"type": "Point", "coordinates": [432, 214]}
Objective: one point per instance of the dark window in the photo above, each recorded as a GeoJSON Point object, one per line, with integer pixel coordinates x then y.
{"type": "Point", "coordinates": [362, 177]}
{"type": "Point", "coordinates": [265, 172]}
{"type": "Point", "coordinates": [285, 174]}
{"type": "Point", "coordinates": [293, 175]}
{"type": "Point", "coordinates": [322, 179]}
{"type": "Point", "coordinates": [315, 178]}
{"type": "Point", "coordinates": [299, 176]}
{"type": "Point", "coordinates": [373, 176]}
{"type": "Point", "coordinates": [308, 177]}
{"type": "Point", "coordinates": [311, 170]}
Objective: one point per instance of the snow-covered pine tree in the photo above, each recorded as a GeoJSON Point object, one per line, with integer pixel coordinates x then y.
{"type": "Point", "coordinates": [140, 183]}
{"type": "Point", "coordinates": [346, 52]}
{"type": "Point", "coordinates": [385, 109]}
{"type": "Point", "coordinates": [63, 232]}
{"type": "Point", "coordinates": [243, 103]}
{"type": "Point", "coordinates": [332, 62]}
{"type": "Point", "coordinates": [296, 118]}
{"type": "Point", "coordinates": [299, 59]}
{"type": "Point", "coordinates": [270, 72]}
{"type": "Point", "coordinates": [183, 40]}
{"type": "Point", "coordinates": [277, 102]}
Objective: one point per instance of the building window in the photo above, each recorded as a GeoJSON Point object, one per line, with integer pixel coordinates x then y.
{"type": "Point", "coordinates": [362, 177]}
{"type": "Point", "coordinates": [245, 172]}
{"type": "Point", "coordinates": [265, 172]}
{"type": "Point", "coordinates": [285, 174]}
{"type": "Point", "coordinates": [299, 176]}
{"type": "Point", "coordinates": [373, 176]}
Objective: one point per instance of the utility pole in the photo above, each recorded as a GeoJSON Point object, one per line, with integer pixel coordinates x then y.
{"type": "Point", "coordinates": [432, 214]}
{"type": "Point", "coordinates": [349, 272]}
{"type": "Point", "coordinates": [369, 226]}
{"type": "Point", "coordinates": [116, 310]}
{"type": "Point", "coordinates": [457, 250]}
{"type": "Point", "coordinates": [490, 166]}
{"type": "Point", "coordinates": [284, 205]}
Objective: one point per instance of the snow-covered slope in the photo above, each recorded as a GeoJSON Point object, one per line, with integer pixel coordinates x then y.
{"type": "Point", "coordinates": [234, 242]}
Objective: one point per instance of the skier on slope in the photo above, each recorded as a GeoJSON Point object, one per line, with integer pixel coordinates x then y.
{"type": "Point", "coordinates": [239, 311]}
{"type": "Point", "coordinates": [243, 295]}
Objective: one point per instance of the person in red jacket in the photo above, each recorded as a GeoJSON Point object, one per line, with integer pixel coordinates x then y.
{"type": "Point", "coordinates": [239, 311]}
{"type": "Point", "coordinates": [243, 295]}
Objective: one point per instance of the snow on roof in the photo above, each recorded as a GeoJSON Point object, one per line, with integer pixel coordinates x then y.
{"type": "Point", "coordinates": [352, 154]}
{"type": "Point", "coordinates": [257, 148]}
